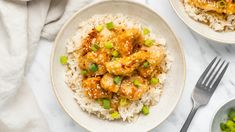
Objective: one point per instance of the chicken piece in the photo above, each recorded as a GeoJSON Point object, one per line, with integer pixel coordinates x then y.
{"type": "Point", "coordinates": [125, 40]}
{"type": "Point", "coordinates": [157, 54]}
{"type": "Point", "coordinates": [86, 44]}
{"type": "Point", "coordinates": [105, 35]}
{"type": "Point", "coordinates": [98, 57]}
{"type": "Point", "coordinates": [93, 90]}
{"type": "Point", "coordinates": [146, 72]}
{"type": "Point", "coordinates": [83, 62]}
{"type": "Point", "coordinates": [215, 5]}
{"type": "Point", "coordinates": [126, 65]}
{"type": "Point", "coordinates": [132, 92]}
{"type": "Point", "coordinates": [101, 70]}
{"type": "Point", "coordinates": [108, 84]}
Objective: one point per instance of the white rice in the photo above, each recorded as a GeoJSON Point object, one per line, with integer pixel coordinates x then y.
{"type": "Point", "coordinates": [214, 22]}
{"type": "Point", "coordinates": [73, 78]}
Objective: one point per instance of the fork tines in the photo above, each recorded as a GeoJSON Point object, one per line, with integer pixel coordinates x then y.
{"type": "Point", "coordinates": [213, 73]}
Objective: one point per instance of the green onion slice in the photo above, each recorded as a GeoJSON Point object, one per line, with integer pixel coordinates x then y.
{"type": "Point", "coordinates": [84, 72]}
{"type": "Point", "coordinates": [106, 103]}
{"type": "Point", "coordinates": [93, 67]}
{"type": "Point", "coordinates": [110, 25]}
{"type": "Point", "coordinates": [148, 42]}
{"type": "Point", "coordinates": [99, 28]}
{"type": "Point", "coordinates": [117, 80]}
{"type": "Point", "coordinates": [222, 3]}
{"type": "Point", "coordinates": [146, 31]}
{"type": "Point", "coordinates": [108, 45]}
{"type": "Point", "coordinates": [115, 53]}
{"type": "Point", "coordinates": [123, 102]}
{"type": "Point", "coordinates": [94, 47]}
{"type": "Point", "coordinates": [115, 115]}
{"type": "Point", "coordinates": [145, 110]}
{"type": "Point", "coordinates": [154, 81]}
{"type": "Point", "coordinates": [146, 64]}
{"type": "Point", "coordinates": [63, 60]}
{"type": "Point", "coordinates": [137, 83]}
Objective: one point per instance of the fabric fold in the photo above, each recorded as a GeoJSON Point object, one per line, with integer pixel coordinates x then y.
{"type": "Point", "coordinates": [50, 29]}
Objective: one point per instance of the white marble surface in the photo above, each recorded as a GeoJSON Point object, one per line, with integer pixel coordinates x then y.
{"type": "Point", "coordinates": [198, 53]}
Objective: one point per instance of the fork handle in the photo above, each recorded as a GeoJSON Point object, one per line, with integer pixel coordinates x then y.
{"type": "Point", "coordinates": [189, 119]}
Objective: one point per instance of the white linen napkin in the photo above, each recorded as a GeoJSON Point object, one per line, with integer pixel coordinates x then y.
{"type": "Point", "coordinates": [21, 23]}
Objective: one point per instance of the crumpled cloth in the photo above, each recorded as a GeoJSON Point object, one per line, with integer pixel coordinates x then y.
{"type": "Point", "coordinates": [22, 23]}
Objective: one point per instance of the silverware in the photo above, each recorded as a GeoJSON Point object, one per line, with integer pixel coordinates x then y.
{"type": "Point", "coordinates": [205, 87]}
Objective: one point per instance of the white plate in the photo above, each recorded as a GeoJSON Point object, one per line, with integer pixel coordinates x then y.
{"type": "Point", "coordinates": [200, 28]}
{"type": "Point", "coordinates": [175, 81]}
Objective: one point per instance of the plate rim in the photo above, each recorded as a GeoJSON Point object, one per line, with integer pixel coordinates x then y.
{"type": "Point", "coordinates": [221, 42]}
{"type": "Point", "coordinates": [55, 43]}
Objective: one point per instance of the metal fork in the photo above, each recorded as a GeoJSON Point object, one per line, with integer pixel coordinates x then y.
{"type": "Point", "coordinates": [205, 87]}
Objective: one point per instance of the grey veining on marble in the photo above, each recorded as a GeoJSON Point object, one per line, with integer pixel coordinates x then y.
{"type": "Point", "coordinates": [198, 53]}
